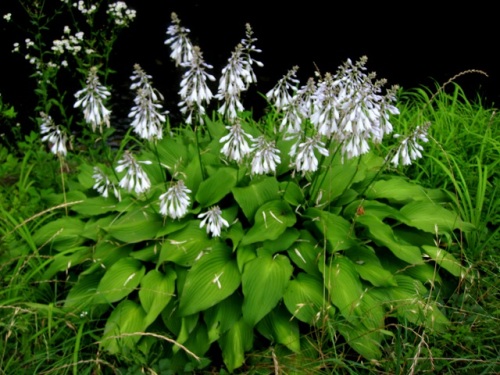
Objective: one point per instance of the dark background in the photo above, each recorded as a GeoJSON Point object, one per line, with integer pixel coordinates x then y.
{"type": "Point", "coordinates": [411, 44]}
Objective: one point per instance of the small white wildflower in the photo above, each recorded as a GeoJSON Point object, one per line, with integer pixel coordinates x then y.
{"type": "Point", "coordinates": [214, 221]}
{"type": "Point", "coordinates": [175, 202]}
{"type": "Point", "coordinates": [55, 136]}
{"type": "Point", "coordinates": [135, 178]}
{"type": "Point", "coordinates": [91, 99]}
{"type": "Point", "coordinates": [266, 156]}
{"type": "Point", "coordinates": [7, 17]}
{"type": "Point", "coordinates": [103, 184]}
{"type": "Point", "coordinates": [16, 47]}
{"type": "Point", "coordinates": [236, 145]}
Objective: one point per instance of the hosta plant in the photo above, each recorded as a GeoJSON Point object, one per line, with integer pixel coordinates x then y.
{"type": "Point", "coordinates": [228, 232]}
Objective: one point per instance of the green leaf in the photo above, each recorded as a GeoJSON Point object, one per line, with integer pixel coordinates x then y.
{"type": "Point", "coordinates": [305, 253]}
{"type": "Point", "coordinates": [128, 318]}
{"type": "Point", "coordinates": [184, 246]}
{"type": "Point", "coordinates": [234, 343]}
{"type": "Point", "coordinates": [292, 193]}
{"type": "Point", "coordinates": [264, 282]}
{"type": "Point", "coordinates": [343, 283]}
{"type": "Point", "coordinates": [63, 261]}
{"type": "Point", "coordinates": [271, 221]}
{"type": "Point", "coordinates": [431, 217]}
{"type": "Point", "coordinates": [95, 206]}
{"type": "Point", "coordinates": [61, 234]}
{"type": "Point", "coordinates": [253, 196]}
{"type": "Point", "coordinates": [221, 317]}
{"type": "Point", "coordinates": [119, 280]}
{"type": "Point", "coordinates": [216, 187]}
{"type": "Point", "coordinates": [369, 267]}
{"type": "Point", "coordinates": [383, 235]}
{"type": "Point", "coordinates": [445, 260]}
{"type": "Point", "coordinates": [157, 289]}
{"type": "Point", "coordinates": [334, 228]}
{"type": "Point", "coordinates": [304, 298]}
{"type": "Point", "coordinates": [214, 277]}
{"type": "Point", "coordinates": [398, 190]}
{"type": "Point", "coordinates": [277, 326]}
{"type": "Point", "coordinates": [283, 242]}
{"type": "Point", "coordinates": [82, 293]}
{"type": "Point", "coordinates": [135, 226]}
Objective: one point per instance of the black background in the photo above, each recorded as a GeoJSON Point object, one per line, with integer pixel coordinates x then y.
{"type": "Point", "coordinates": [411, 44]}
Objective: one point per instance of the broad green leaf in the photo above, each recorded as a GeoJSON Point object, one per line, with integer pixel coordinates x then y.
{"type": "Point", "coordinates": [95, 206]}
{"type": "Point", "coordinates": [361, 340]}
{"type": "Point", "coordinates": [216, 187]}
{"type": "Point", "coordinates": [283, 242]}
{"type": "Point", "coordinates": [61, 234]}
{"type": "Point", "coordinates": [374, 208]}
{"type": "Point", "coordinates": [397, 189]}
{"type": "Point", "coordinates": [264, 282]}
{"type": "Point", "coordinates": [292, 193]}
{"type": "Point", "coordinates": [82, 293]}
{"type": "Point", "coordinates": [334, 228]}
{"type": "Point", "coordinates": [221, 317]}
{"type": "Point", "coordinates": [135, 226]}
{"type": "Point", "coordinates": [123, 328]}
{"type": "Point", "coordinates": [184, 246]}
{"type": "Point", "coordinates": [63, 261]}
{"type": "Point", "coordinates": [106, 253]}
{"type": "Point", "coordinates": [157, 289]}
{"type": "Point", "coordinates": [445, 260]}
{"type": "Point", "coordinates": [383, 235]}
{"type": "Point", "coordinates": [304, 298]}
{"type": "Point", "coordinates": [335, 180]}
{"type": "Point", "coordinates": [342, 281]}
{"type": "Point", "coordinates": [306, 252]}
{"type": "Point", "coordinates": [253, 196]}
{"type": "Point", "coordinates": [120, 280]}
{"type": "Point", "coordinates": [213, 277]}
{"type": "Point", "coordinates": [173, 153]}
{"type": "Point", "coordinates": [277, 326]}
{"type": "Point", "coordinates": [234, 343]}
{"type": "Point", "coordinates": [271, 221]}
{"type": "Point", "coordinates": [433, 218]}
{"type": "Point", "coordinates": [369, 267]}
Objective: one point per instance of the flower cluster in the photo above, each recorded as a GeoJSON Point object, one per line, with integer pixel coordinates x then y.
{"type": "Point", "coordinates": [103, 184]}
{"type": "Point", "coordinates": [121, 14]}
{"type": "Point", "coordinates": [214, 221]}
{"type": "Point", "coordinates": [236, 146]}
{"type": "Point", "coordinates": [148, 118]}
{"type": "Point", "coordinates": [80, 5]}
{"type": "Point", "coordinates": [409, 149]}
{"type": "Point", "coordinates": [180, 44]}
{"type": "Point", "coordinates": [90, 98]}
{"type": "Point", "coordinates": [71, 43]}
{"type": "Point", "coordinates": [54, 135]}
{"type": "Point", "coordinates": [135, 178]}
{"type": "Point", "coordinates": [175, 202]}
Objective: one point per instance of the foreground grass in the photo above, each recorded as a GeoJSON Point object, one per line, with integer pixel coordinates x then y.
{"type": "Point", "coordinates": [37, 336]}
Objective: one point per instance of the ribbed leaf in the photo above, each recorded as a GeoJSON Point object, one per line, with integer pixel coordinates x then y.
{"type": "Point", "coordinates": [383, 235]}
{"type": "Point", "coordinates": [119, 280]}
{"type": "Point", "coordinates": [235, 342]}
{"type": "Point", "coordinates": [221, 317]}
{"type": "Point", "coordinates": [369, 267]}
{"type": "Point", "coordinates": [397, 189]}
{"type": "Point", "coordinates": [184, 246]}
{"type": "Point", "coordinates": [304, 298]}
{"type": "Point", "coordinates": [157, 289]}
{"type": "Point", "coordinates": [135, 226]}
{"type": "Point", "coordinates": [61, 234]}
{"type": "Point", "coordinates": [82, 293]}
{"type": "Point", "coordinates": [271, 221]}
{"type": "Point", "coordinates": [211, 279]}
{"type": "Point", "coordinates": [445, 260]}
{"type": "Point", "coordinates": [95, 206]}
{"type": "Point", "coordinates": [277, 326]}
{"type": "Point", "coordinates": [334, 228]}
{"type": "Point", "coordinates": [216, 187]}
{"type": "Point", "coordinates": [430, 217]}
{"type": "Point", "coordinates": [264, 281]}
{"type": "Point", "coordinates": [128, 318]}
{"type": "Point", "coordinates": [344, 285]}
{"type": "Point", "coordinates": [251, 197]}
{"type": "Point", "coordinates": [305, 253]}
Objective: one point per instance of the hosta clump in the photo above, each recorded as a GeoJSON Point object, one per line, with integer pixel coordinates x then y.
{"type": "Point", "coordinates": [238, 229]}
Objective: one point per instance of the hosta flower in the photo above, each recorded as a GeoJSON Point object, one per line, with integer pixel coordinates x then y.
{"type": "Point", "coordinates": [236, 145]}
{"type": "Point", "coordinates": [280, 95]}
{"type": "Point", "coordinates": [148, 119]}
{"type": "Point", "coordinates": [194, 91]}
{"type": "Point", "coordinates": [305, 158]}
{"type": "Point", "coordinates": [135, 178]}
{"type": "Point", "coordinates": [409, 149]}
{"type": "Point", "coordinates": [103, 184]}
{"type": "Point", "coordinates": [266, 157]}
{"type": "Point", "coordinates": [180, 44]}
{"type": "Point", "coordinates": [175, 202]}
{"type": "Point", "coordinates": [213, 220]}
{"type": "Point", "coordinates": [91, 99]}
{"type": "Point", "coordinates": [54, 135]}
